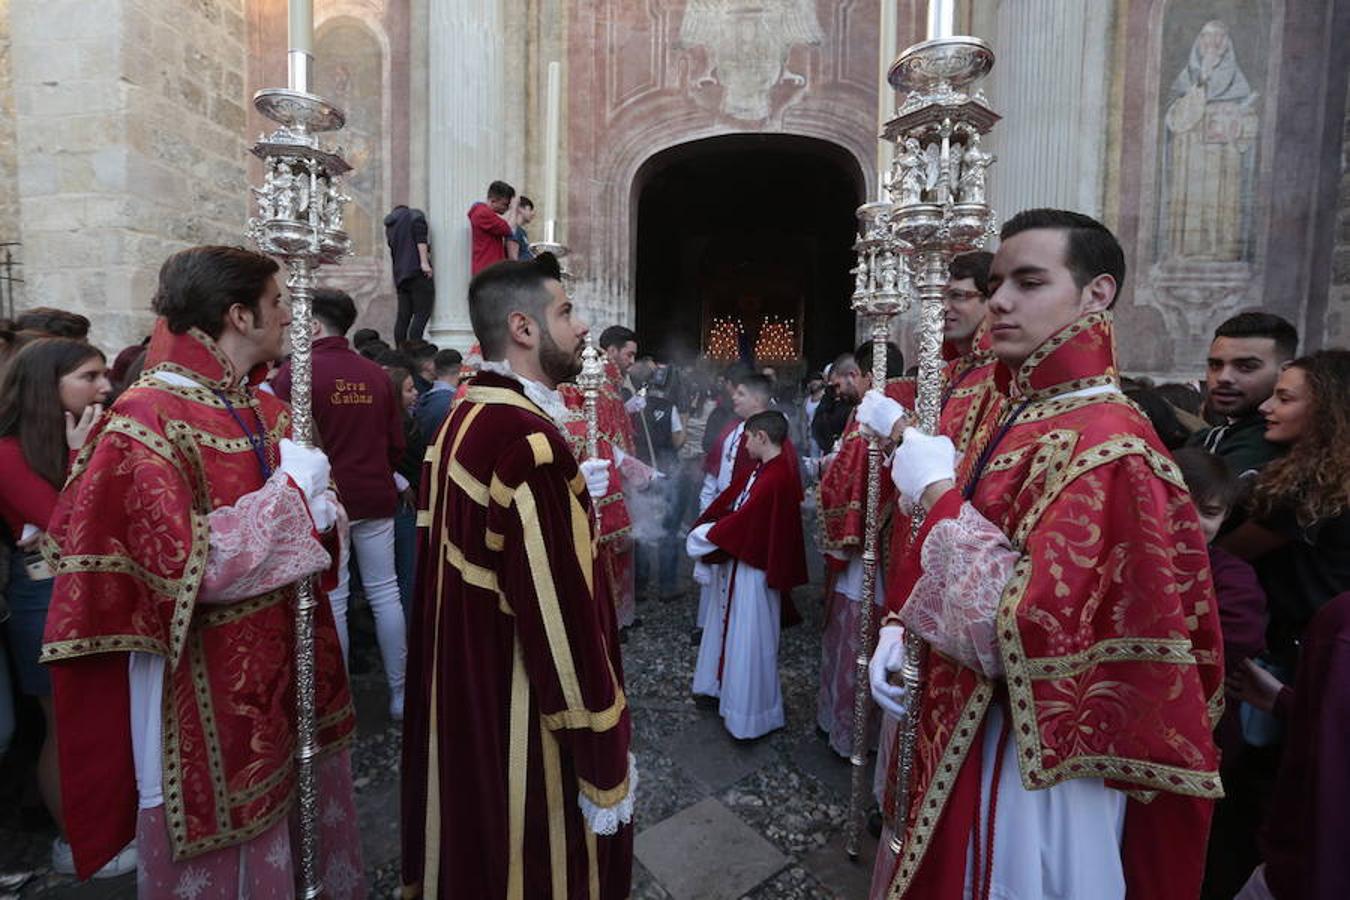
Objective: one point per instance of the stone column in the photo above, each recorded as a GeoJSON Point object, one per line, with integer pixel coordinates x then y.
{"type": "Point", "coordinates": [466, 143]}
{"type": "Point", "coordinates": [1050, 83]}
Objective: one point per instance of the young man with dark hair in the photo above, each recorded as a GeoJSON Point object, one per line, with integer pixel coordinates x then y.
{"type": "Point", "coordinates": [1060, 581]}
{"type": "Point", "coordinates": [435, 403]}
{"type": "Point", "coordinates": [490, 224]}
{"type": "Point", "coordinates": [363, 336]}
{"type": "Point", "coordinates": [178, 544]}
{"type": "Point", "coordinates": [360, 423]}
{"type": "Point", "coordinates": [518, 246]}
{"type": "Point", "coordinates": [405, 231]}
{"type": "Point", "coordinates": [753, 530]}
{"type": "Point", "coordinates": [1244, 362]}
{"type": "Point", "coordinates": [619, 345]}
{"type": "Point", "coordinates": [422, 355]}
{"type": "Point", "coordinates": [728, 461]}
{"type": "Point", "coordinates": [514, 640]}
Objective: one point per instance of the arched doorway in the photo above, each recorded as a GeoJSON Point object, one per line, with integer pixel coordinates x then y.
{"type": "Point", "coordinates": [744, 244]}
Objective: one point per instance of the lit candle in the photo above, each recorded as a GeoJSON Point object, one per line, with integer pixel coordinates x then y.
{"type": "Point", "coordinates": [301, 25]}
{"type": "Point", "coordinates": [941, 18]}
{"type": "Point", "coordinates": [551, 149]}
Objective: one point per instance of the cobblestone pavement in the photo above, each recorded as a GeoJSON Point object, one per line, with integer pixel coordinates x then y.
{"type": "Point", "coordinates": [717, 818]}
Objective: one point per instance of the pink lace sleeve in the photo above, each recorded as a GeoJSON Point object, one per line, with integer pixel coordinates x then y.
{"type": "Point", "coordinates": [263, 542]}
{"type": "Point", "coordinates": [967, 561]}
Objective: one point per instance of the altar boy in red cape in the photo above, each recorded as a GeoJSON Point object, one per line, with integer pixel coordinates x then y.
{"type": "Point", "coordinates": [755, 525]}
{"type": "Point", "coordinates": [1061, 582]}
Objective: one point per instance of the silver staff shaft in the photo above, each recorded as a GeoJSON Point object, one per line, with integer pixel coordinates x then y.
{"type": "Point", "coordinates": [938, 189]}
{"type": "Point", "coordinates": [299, 220]}
{"type": "Point", "coordinates": [880, 293]}
{"type": "Point", "coordinates": [301, 286]}
{"type": "Point", "coordinates": [871, 555]}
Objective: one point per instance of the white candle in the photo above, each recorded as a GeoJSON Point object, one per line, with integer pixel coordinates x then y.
{"type": "Point", "coordinates": [301, 25]}
{"type": "Point", "coordinates": [941, 18]}
{"type": "Point", "coordinates": [886, 94]}
{"type": "Point", "coordinates": [551, 142]}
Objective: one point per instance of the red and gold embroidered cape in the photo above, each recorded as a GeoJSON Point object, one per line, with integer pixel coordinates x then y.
{"type": "Point", "coordinates": [616, 524]}
{"type": "Point", "coordinates": [1108, 629]}
{"type": "Point", "coordinates": [843, 486]}
{"type": "Point", "coordinates": [129, 545]}
{"type": "Point", "coordinates": [966, 382]}
{"type": "Point", "coordinates": [515, 698]}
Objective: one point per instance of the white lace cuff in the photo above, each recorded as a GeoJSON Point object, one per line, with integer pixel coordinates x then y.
{"type": "Point", "coordinates": [263, 542]}
{"type": "Point", "coordinates": [607, 820]}
{"type": "Point", "coordinates": [967, 562]}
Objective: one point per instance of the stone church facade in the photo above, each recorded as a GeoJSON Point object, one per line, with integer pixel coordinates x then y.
{"type": "Point", "coordinates": [1211, 135]}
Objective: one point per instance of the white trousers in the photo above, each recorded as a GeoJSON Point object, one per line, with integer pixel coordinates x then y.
{"type": "Point", "coordinates": [373, 542]}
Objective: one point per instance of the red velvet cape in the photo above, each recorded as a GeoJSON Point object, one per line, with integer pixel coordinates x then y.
{"type": "Point", "coordinates": [843, 486]}
{"type": "Point", "coordinates": [129, 540]}
{"type": "Point", "coordinates": [766, 532]}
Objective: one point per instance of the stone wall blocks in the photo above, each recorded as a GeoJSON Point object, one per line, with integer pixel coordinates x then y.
{"type": "Point", "coordinates": [193, 96]}
{"type": "Point", "coordinates": [38, 176]}
{"type": "Point", "coordinates": [228, 114]}
{"type": "Point", "coordinates": [96, 59]}
{"type": "Point", "coordinates": [62, 20]}
{"type": "Point", "coordinates": [234, 24]}
{"type": "Point", "coordinates": [76, 174]}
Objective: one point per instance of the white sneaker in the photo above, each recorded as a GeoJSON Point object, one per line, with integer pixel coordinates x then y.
{"type": "Point", "coordinates": [63, 860]}
{"type": "Point", "coordinates": [124, 862]}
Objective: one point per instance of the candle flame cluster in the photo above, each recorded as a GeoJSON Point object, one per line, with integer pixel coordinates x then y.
{"type": "Point", "coordinates": [724, 338]}
{"type": "Point", "coordinates": [777, 340]}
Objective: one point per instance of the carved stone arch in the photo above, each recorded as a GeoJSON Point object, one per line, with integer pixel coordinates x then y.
{"type": "Point", "coordinates": [613, 292]}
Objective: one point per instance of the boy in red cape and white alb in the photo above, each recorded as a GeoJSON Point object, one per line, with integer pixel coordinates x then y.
{"type": "Point", "coordinates": [1061, 582]}
{"type": "Point", "coordinates": [756, 525]}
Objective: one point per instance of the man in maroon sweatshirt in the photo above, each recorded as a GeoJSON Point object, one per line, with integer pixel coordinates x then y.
{"type": "Point", "coordinates": [361, 428]}
{"type": "Point", "coordinates": [491, 222]}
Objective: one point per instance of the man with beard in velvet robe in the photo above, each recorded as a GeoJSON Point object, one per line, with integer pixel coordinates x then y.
{"type": "Point", "coordinates": [517, 780]}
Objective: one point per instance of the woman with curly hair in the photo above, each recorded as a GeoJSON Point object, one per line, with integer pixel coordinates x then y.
{"type": "Point", "coordinates": [1298, 536]}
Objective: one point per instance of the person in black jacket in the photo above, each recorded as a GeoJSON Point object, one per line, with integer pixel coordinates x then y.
{"type": "Point", "coordinates": [405, 230]}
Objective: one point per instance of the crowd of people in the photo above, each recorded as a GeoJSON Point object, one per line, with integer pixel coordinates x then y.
{"type": "Point", "coordinates": [1132, 597]}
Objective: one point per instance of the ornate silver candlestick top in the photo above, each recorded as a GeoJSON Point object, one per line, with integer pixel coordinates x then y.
{"type": "Point", "coordinates": [591, 379]}
{"type": "Point", "coordinates": [940, 210]}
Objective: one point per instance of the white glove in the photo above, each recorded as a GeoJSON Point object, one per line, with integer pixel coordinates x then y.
{"type": "Point", "coordinates": [596, 473]}
{"type": "Point", "coordinates": [324, 510]}
{"type": "Point", "coordinates": [879, 413]}
{"type": "Point", "coordinates": [921, 460]}
{"type": "Point", "coordinates": [887, 658]}
{"type": "Point", "coordinates": [306, 466]}
{"type": "Point", "coordinates": [635, 404]}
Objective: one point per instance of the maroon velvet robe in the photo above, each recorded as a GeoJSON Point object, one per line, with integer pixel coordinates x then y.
{"type": "Point", "coordinates": [515, 698]}
{"type": "Point", "coordinates": [1305, 835]}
